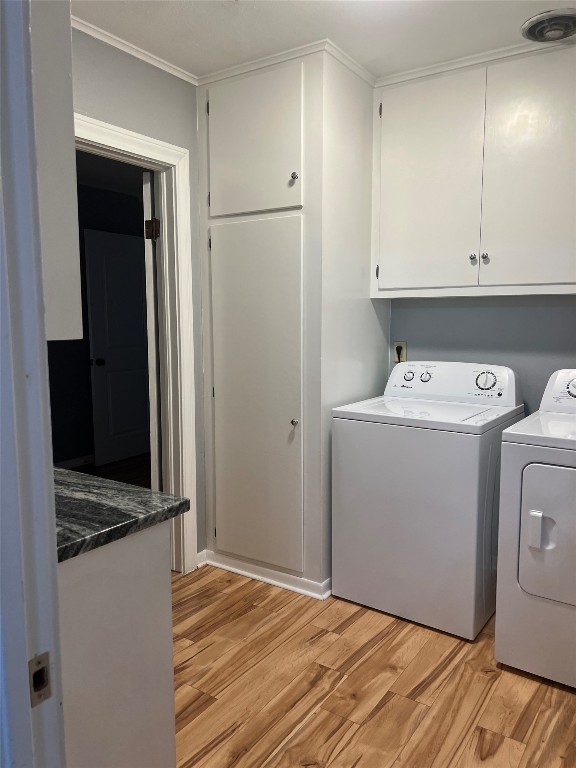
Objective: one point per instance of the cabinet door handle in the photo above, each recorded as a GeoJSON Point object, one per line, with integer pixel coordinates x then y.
{"type": "Point", "coordinates": [472, 258]}
{"type": "Point", "coordinates": [294, 422]}
{"type": "Point", "coordinates": [293, 175]}
{"type": "Point", "coordinates": [484, 256]}
{"type": "Point", "coordinates": [535, 529]}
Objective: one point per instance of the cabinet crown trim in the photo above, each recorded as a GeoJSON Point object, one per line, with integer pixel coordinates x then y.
{"type": "Point", "coordinates": [320, 46]}
{"type": "Point", "coordinates": [487, 57]}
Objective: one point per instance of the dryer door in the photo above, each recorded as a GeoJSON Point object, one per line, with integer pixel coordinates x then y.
{"type": "Point", "coordinates": [547, 561]}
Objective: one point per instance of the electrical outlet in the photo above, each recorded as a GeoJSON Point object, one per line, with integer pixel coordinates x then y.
{"type": "Point", "coordinates": [399, 352]}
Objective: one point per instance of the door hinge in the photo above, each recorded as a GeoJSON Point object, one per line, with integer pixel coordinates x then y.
{"type": "Point", "coordinates": [377, 271]}
{"type": "Point", "coordinates": [39, 679]}
{"type": "Point", "coordinates": [210, 242]}
{"type": "Point", "coordinates": [152, 229]}
{"type": "Point", "coordinates": [207, 107]}
{"type": "Point", "coordinates": [212, 391]}
{"type": "Point", "coordinates": [380, 109]}
{"type": "Point", "coordinates": [208, 199]}
{"type": "Point", "coordinates": [214, 532]}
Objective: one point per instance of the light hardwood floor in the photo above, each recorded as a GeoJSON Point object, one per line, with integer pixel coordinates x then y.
{"type": "Point", "coordinates": [266, 678]}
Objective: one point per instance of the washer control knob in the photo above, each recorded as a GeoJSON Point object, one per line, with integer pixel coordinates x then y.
{"type": "Point", "coordinates": [572, 388]}
{"type": "Point", "coordinates": [426, 376]}
{"type": "Point", "coordinates": [409, 375]}
{"type": "Point", "coordinates": [486, 380]}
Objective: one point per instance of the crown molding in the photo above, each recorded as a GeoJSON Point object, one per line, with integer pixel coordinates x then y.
{"type": "Point", "coordinates": [467, 61]}
{"type": "Point", "coordinates": [133, 50]}
{"type": "Point", "coordinates": [326, 46]}
{"type": "Point", "coordinates": [348, 61]}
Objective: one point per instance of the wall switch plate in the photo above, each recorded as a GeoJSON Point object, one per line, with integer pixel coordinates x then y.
{"type": "Point", "coordinates": [399, 352]}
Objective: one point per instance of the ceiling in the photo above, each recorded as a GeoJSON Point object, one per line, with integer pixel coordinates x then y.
{"type": "Point", "coordinates": [385, 36]}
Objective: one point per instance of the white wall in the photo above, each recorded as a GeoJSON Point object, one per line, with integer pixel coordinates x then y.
{"type": "Point", "coordinates": [114, 87]}
{"type": "Point", "coordinates": [56, 169]}
{"type": "Point", "coordinates": [534, 335]}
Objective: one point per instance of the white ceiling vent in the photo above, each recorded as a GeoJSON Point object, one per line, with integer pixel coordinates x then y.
{"type": "Point", "coordinates": [551, 26]}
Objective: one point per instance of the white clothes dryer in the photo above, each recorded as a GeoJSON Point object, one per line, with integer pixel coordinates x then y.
{"type": "Point", "coordinates": [415, 478]}
{"type": "Point", "coordinates": [536, 595]}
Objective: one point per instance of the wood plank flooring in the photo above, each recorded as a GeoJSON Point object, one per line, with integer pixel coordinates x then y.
{"type": "Point", "coordinates": [266, 678]}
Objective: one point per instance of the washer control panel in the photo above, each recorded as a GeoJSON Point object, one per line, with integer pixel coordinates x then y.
{"type": "Point", "coordinates": [455, 382]}
{"type": "Point", "coordinates": [560, 393]}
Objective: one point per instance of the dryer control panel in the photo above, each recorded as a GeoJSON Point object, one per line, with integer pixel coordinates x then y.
{"type": "Point", "coordinates": [560, 393]}
{"type": "Point", "coordinates": [455, 382]}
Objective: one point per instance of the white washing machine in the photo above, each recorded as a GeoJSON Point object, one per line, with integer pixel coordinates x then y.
{"type": "Point", "coordinates": [536, 600]}
{"type": "Point", "coordinates": [415, 493]}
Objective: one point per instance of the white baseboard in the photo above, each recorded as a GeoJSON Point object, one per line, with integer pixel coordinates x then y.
{"type": "Point", "coordinates": [316, 589]}
{"type": "Point", "coordinates": [201, 559]}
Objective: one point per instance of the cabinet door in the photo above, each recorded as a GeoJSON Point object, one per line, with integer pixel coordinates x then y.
{"type": "Point", "coordinates": [431, 182]}
{"type": "Point", "coordinates": [255, 138]}
{"type": "Point", "coordinates": [529, 197]}
{"type": "Point", "coordinates": [257, 327]}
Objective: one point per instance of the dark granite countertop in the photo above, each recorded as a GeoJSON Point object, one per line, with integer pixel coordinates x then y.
{"type": "Point", "coordinates": [91, 511]}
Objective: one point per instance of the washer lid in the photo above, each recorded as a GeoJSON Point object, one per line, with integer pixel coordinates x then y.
{"type": "Point", "coordinates": [551, 430]}
{"type": "Point", "coordinates": [428, 414]}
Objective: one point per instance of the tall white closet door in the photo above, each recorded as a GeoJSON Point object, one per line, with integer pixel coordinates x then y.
{"type": "Point", "coordinates": [257, 337]}
{"type": "Point", "coordinates": [529, 196]}
{"type": "Point", "coordinates": [255, 142]}
{"type": "Point", "coordinates": [431, 182]}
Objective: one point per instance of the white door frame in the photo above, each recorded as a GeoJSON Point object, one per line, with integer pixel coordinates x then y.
{"type": "Point", "coordinates": [175, 316]}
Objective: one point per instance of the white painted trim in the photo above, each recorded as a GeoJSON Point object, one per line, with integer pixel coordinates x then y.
{"type": "Point", "coordinates": [201, 559]}
{"type": "Point", "coordinates": [133, 50]}
{"type": "Point", "coordinates": [318, 590]}
{"type": "Point", "coordinates": [179, 439]}
{"type": "Point", "coordinates": [476, 60]}
{"type": "Point", "coordinates": [327, 45]}
{"type": "Point", "coordinates": [113, 141]}
{"type": "Point", "coordinates": [152, 334]}
{"type": "Point", "coordinates": [344, 58]}
{"type": "Point", "coordinates": [294, 53]}
{"type": "Point", "coordinates": [475, 290]}
{"type": "Point", "coordinates": [266, 61]}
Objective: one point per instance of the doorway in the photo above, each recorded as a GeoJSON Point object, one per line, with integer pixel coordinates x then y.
{"type": "Point", "coordinates": [103, 387]}
{"type": "Point", "coordinates": [172, 200]}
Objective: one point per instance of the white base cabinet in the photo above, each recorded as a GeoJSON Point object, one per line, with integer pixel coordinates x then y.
{"type": "Point", "coordinates": [289, 329]}
{"type": "Point", "coordinates": [476, 187]}
{"type": "Point", "coordinates": [116, 648]}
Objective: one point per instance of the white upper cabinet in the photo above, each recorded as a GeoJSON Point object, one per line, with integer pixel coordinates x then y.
{"type": "Point", "coordinates": [255, 142]}
{"type": "Point", "coordinates": [431, 182]}
{"type": "Point", "coordinates": [529, 200]}
{"type": "Point", "coordinates": [477, 188]}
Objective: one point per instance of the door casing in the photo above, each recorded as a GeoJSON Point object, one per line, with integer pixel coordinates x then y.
{"type": "Point", "coordinates": [175, 322]}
